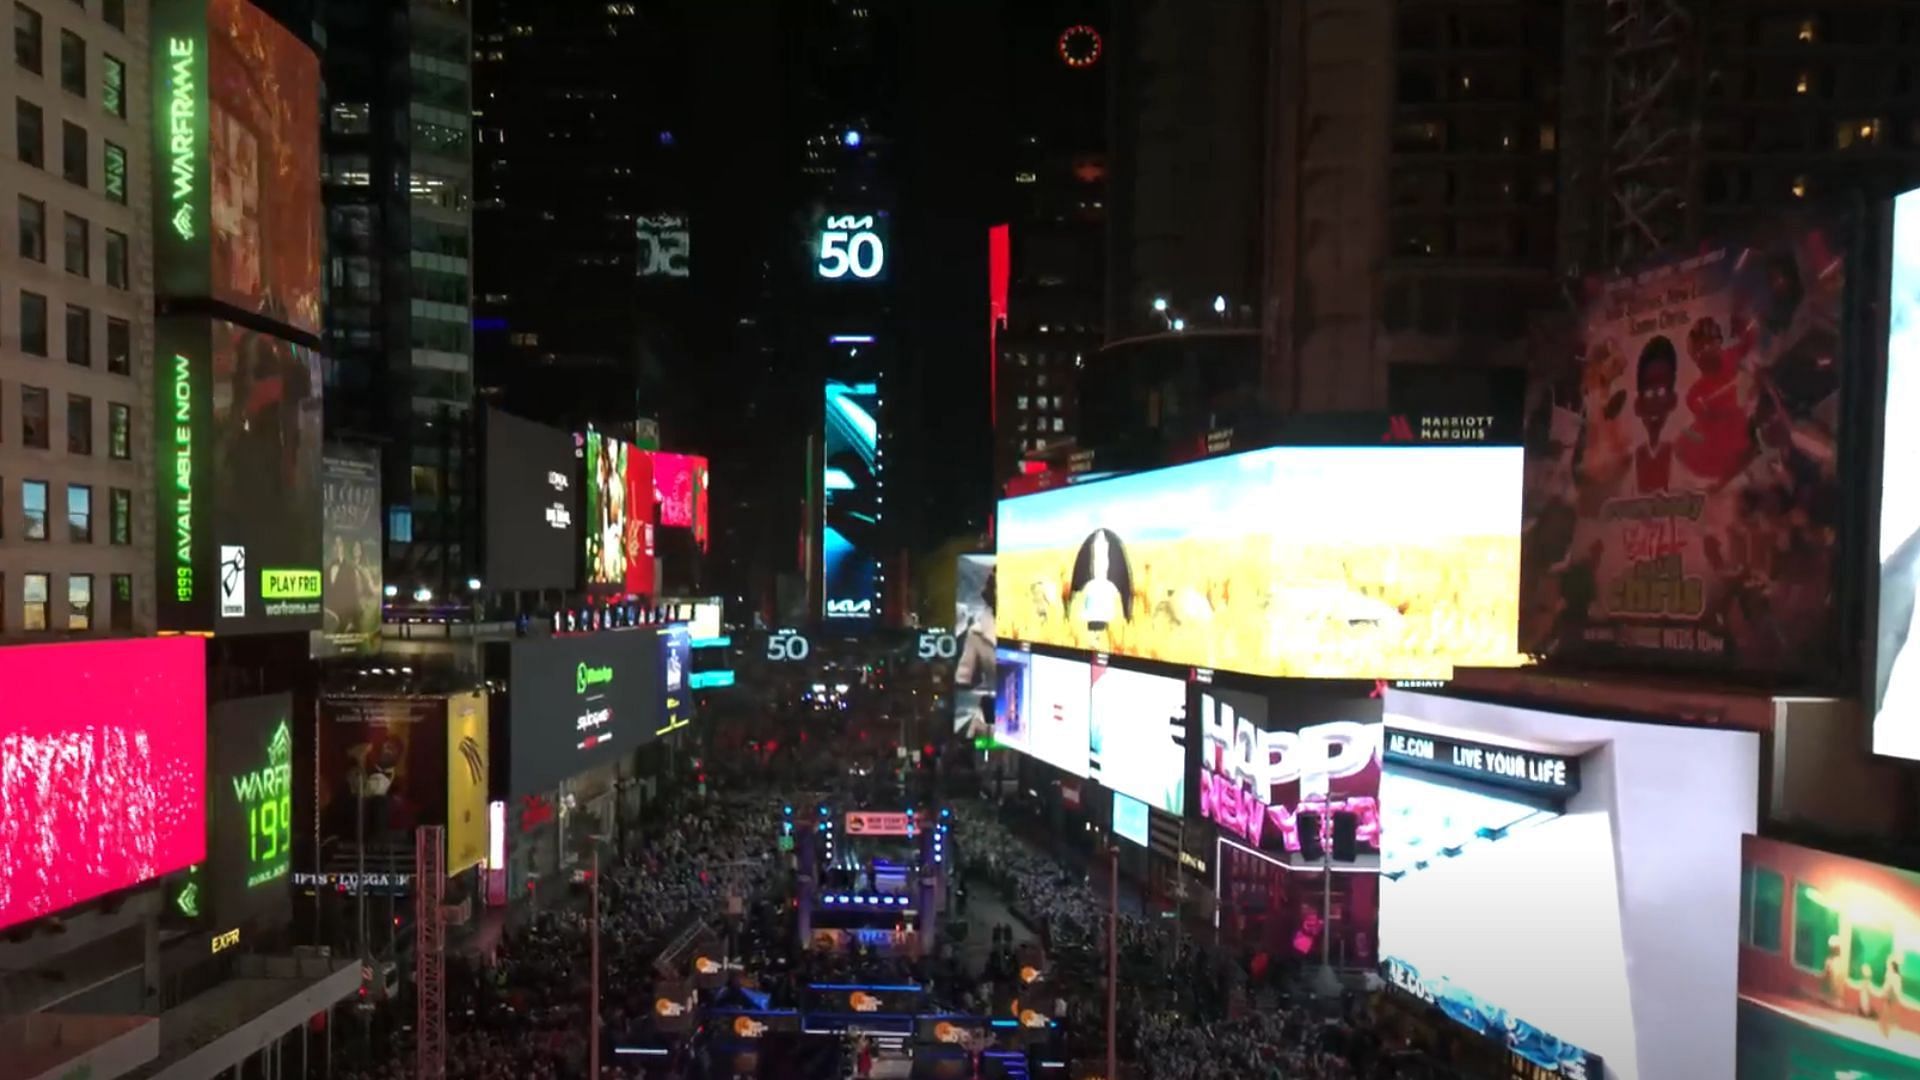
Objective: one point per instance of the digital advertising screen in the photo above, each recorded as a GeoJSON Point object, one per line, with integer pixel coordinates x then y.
{"type": "Point", "coordinates": [1519, 846]}
{"type": "Point", "coordinates": [580, 701]}
{"type": "Point", "coordinates": [532, 505]}
{"type": "Point", "coordinates": [468, 777]}
{"type": "Point", "coordinates": [103, 769]}
{"type": "Point", "coordinates": [1896, 687]}
{"type": "Point", "coordinates": [663, 245]}
{"type": "Point", "coordinates": [1057, 712]}
{"type": "Point", "coordinates": [1012, 701]}
{"type": "Point", "coordinates": [1378, 562]}
{"type": "Point", "coordinates": [973, 630]}
{"type": "Point", "coordinates": [1130, 819]}
{"type": "Point", "coordinates": [680, 480]}
{"type": "Point", "coordinates": [1310, 748]}
{"type": "Point", "coordinates": [350, 585]}
{"type": "Point", "coordinates": [676, 678]}
{"type": "Point", "coordinates": [851, 247]}
{"type": "Point", "coordinates": [382, 771]}
{"type": "Point", "coordinates": [238, 479]}
{"type": "Point", "coordinates": [851, 483]}
{"type": "Point", "coordinates": [1829, 965]}
{"type": "Point", "coordinates": [620, 517]}
{"type": "Point", "coordinates": [236, 161]}
{"type": "Point", "coordinates": [1682, 495]}
{"type": "Point", "coordinates": [1137, 734]}
{"type": "Point", "coordinates": [250, 808]}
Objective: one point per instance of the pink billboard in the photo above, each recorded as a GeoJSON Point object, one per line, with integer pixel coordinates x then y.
{"type": "Point", "coordinates": [103, 761]}
{"type": "Point", "coordinates": [681, 482]}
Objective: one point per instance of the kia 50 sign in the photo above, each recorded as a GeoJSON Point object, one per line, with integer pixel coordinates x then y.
{"type": "Point", "coordinates": [851, 246]}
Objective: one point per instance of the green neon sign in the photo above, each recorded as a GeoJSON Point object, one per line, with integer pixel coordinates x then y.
{"type": "Point", "coordinates": [587, 675]}
{"type": "Point", "coordinates": [183, 114]}
{"type": "Point", "coordinates": [265, 796]}
{"type": "Point", "coordinates": [289, 584]}
{"type": "Point", "coordinates": [182, 478]}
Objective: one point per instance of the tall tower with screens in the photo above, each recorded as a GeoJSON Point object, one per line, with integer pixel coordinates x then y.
{"type": "Point", "coordinates": [852, 503]}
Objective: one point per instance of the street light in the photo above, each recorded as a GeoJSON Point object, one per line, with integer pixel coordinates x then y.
{"type": "Point", "coordinates": [1179, 324]}
{"type": "Point", "coordinates": [1219, 305]}
{"type": "Point", "coordinates": [1160, 303]}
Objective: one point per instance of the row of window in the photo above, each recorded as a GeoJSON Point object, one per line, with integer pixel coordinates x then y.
{"type": "Point", "coordinates": [77, 243]}
{"type": "Point", "coordinates": [1041, 402]}
{"type": "Point", "coordinates": [36, 424]}
{"type": "Point", "coordinates": [36, 608]}
{"type": "Point", "coordinates": [1040, 424]}
{"type": "Point", "coordinates": [30, 146]}
{"type": "Point", "coordinates": [28, 54]}
{"type": "Point", "coordinates": [35, 511]}
{"type": "Point", "coordinates": [79, 343]}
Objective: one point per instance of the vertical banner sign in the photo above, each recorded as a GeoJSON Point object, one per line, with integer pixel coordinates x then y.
{"type": "Point", "coordinates": [851, 482]}
{"type": "Point", "coordinates": [180, 160]}
{"type": "Point", "coordinates": [185, 572]}
{"type": "Point", "coordinates": [467, 757]}
{"type": "Point", "coordinates": [350, 571]}
{"type": "Point", "coordinates": [1682, 500]}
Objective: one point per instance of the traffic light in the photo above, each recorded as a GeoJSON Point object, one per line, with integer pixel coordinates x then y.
{"type": "Point", "coordinates": [1308, 822]}
{"type": "Point", "coordinates": [1345, 824]}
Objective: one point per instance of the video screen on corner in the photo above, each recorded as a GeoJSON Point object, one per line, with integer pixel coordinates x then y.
{"type": "Point", "coordinates": [103, 769]}
{"type": "Point", "coordinates": [532, 505]}
{"type": "Point", "coordinates": [264, 99]}
{"type": "Point", "coordinates": [1394, 562]}
{"type": "Point", "coordinates": [580, 701]}
{"type": "Point", "coordinates": [619, 530]}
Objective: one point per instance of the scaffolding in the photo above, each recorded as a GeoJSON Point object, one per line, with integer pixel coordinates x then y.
{"type": "Point", "coordinates": [1652, 83]}
{"type": "Point", "coordinates": [429, 953]}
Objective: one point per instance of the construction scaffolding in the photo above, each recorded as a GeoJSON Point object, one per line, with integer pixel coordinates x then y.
{"type": "Point", "coordinates": [1652, 84]}
{"type": "Point", "coordinates": [429, 952]}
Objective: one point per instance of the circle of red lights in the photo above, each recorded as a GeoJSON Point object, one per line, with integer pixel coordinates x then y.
{"type": "Point", "coordinates": [1079, 46]}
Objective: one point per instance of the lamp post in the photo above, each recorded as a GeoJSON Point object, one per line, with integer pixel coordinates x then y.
{"type": "Point", "coordinates": [1113, 954]}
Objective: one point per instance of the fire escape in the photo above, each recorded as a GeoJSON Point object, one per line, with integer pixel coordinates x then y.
{"type": "Point", "coordinates": [429, 953]}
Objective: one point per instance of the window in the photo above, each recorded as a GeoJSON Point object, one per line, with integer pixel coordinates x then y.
{"type": "Point", "coordinates": [79, 239]}
{"type": "Point", "coordinates": [1763, 895]}
{"type": "Point", "coordinates": [1059, 424]}
{"type": "Point", "coordinates": [1020, 402]}
{"type": "Point", "coordinates": [115, 13]}
{"type": "Point", "coordinates": [33, 229]}
{"type": "Point", "coordinates": [116, 259]}
{"type": "Point", "coordinates": [29, 134]}
{"type": "Point", "coordinates": [119, 347]}
{"type": "Point", "coordinates": [73, 153]}
{"type": "Point", "coordinates": [80, 513]}
{"type": "Point", "coordinates": [26, 38]}
{"type": "Point", "coordinates": [35, 424]}
{"type": "Point", "coordinates": [113, 86]}
{"type": "Point", "coordinates": [79, 601]}
{"type": "Point", "coordinates": [119, 431]}
{"type": "Point", "coordinates": [33, 596]}
{"type": "Point", "coordinates": [1814, 924]}
{"type": "Point", "coordinates": [120, 615]}
{"type": "Point", "coordinates": [79, 424]}
{"type": "Point", "coordinates": [113, 172]}
{"type": "Point", "coordinates": [33, 508]}
{"type": "Point", "coordinates": [79, 336]}
{"type": "Point", "coordinates": [33, 323]}
{"type": "Point", "coordinates": [119, 516]}
{"type": "Point", "coordinates": [73, 63]}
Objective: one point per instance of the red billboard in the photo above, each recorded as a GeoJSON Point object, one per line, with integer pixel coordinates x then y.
{"type": "Point", "coordinates": [103, 769]}
{"type": "Point", "coordinates": [680, 480]}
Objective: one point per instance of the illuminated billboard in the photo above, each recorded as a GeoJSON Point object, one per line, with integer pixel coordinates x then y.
{"type": "Point", "coordinates": [1829, 965]}
{"type": "Point", "coordinates": [973, 630]}
{"type": "Point", "coordinates": [852, 483]}
{"type": "Point", "coordinates": [676, 678]}
{"type": "Point", "coordinates": [103, 769]}
{"type": "Point", "coordinates": [851, 247]}
{"type": "Point", "coordinates": [382, 765]}
{"type": "Point", "coordinates": [1137, 735]}
{"type": "Point", "coordinates": [532, 505]}
{"type": "Point", "coordinates": [1896, 687]}
{"type": "Point", "coordinates": [620, 517]}
{"type": "Point", "coordinates": [1684, 505]}
{"type": "Point", "coordinates": [238, 474]}
{"type": "Point", "coordinates": [1130, 819]}
{"type": "Point", "coordinates": [577, 702]}
{"type": "Point", "coordinates": [680, 482]}
{"type": "Point", "coordinates": [1321, 562]}
{"type": "Point", "coordinates": [1041, 708]}
{"type": "Point", "coordinates": [236, 161]}
{"type": "Point", "coordinates": [468, 775]}
{"type": "Point", "coordinates": [662, 245]}
{"type": "Point", "coordinates": [350, 595]}
{"type": "Point", "coordinates": [250, 807]}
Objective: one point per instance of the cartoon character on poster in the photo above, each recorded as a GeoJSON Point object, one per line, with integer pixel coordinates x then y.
{"type": "Point", "coordinates": [1681, 485]}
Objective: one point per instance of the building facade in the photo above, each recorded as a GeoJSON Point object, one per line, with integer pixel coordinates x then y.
{"type": "Point", "coordinates": [76, 290]}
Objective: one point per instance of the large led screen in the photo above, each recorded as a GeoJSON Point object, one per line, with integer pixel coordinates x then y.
{"type": "Point", "coordinates": [973, 630]}
{"type": "Point", "coordinates": [103, 769]}
{"type": "Point", "coordinates": [680, 481]}
{"type": "Point", "coordinates": [350, 589]}
{"type": "Point", "coordinates": [1683, 500]}
{"type": "Point", "coordinates": [620, 517]}
{"type": "Point", "coordinates": [1373, 562]}
{"type": "Point", "coordinates": [578, 702]}
{"type": "Point", "coordinates": [1896, 689]}
{"type": "Point", "coordinates": [1829, 966]}
{"type": "Point", "coordinates": [382, 771]}
{"type": "Point", "coordinates": [1311, 748]}
{"type": "Point", "coordinates": [1137, 736]}
{"type": "Point", "coordinates": [532, 505]}
{"type": "Point", "coordinates": [676, 678]}
{"type": "Point", "coordinates": [850, 485]}
{"type": "Point", "coordinates": [1130, 819]}
{"type": "Point", "coordinates": [1519, 847]}
{"type": "Point", "coordinates": [1057, 691]}
{"type": "Point", "coordinates": [250, 807]}
{"type": "Point", "coordinates": [1011, 701]}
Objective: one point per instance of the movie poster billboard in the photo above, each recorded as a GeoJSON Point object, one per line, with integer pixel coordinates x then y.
{"type": "Point", "coordinates": [680, 481]}
{"type": "Point", "coordinates": [973, 628]}
{"type": "Point", "coordinates": [851, 483]}
{"type": "Point", "coordinates": [467, 780]}
{"type": "Point", "coordinates": [1681, 495]}
{"type": "Point", "coordinates": [1829, 965]}
{"type": "Point", "coordinates": [382, 771]}
{"type": "Point", "coordinates": [1896, 671]}
{"type": "Point", "coordinates": [350, 584]}
{"type": "Point", "coordinates": [620, 517]}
